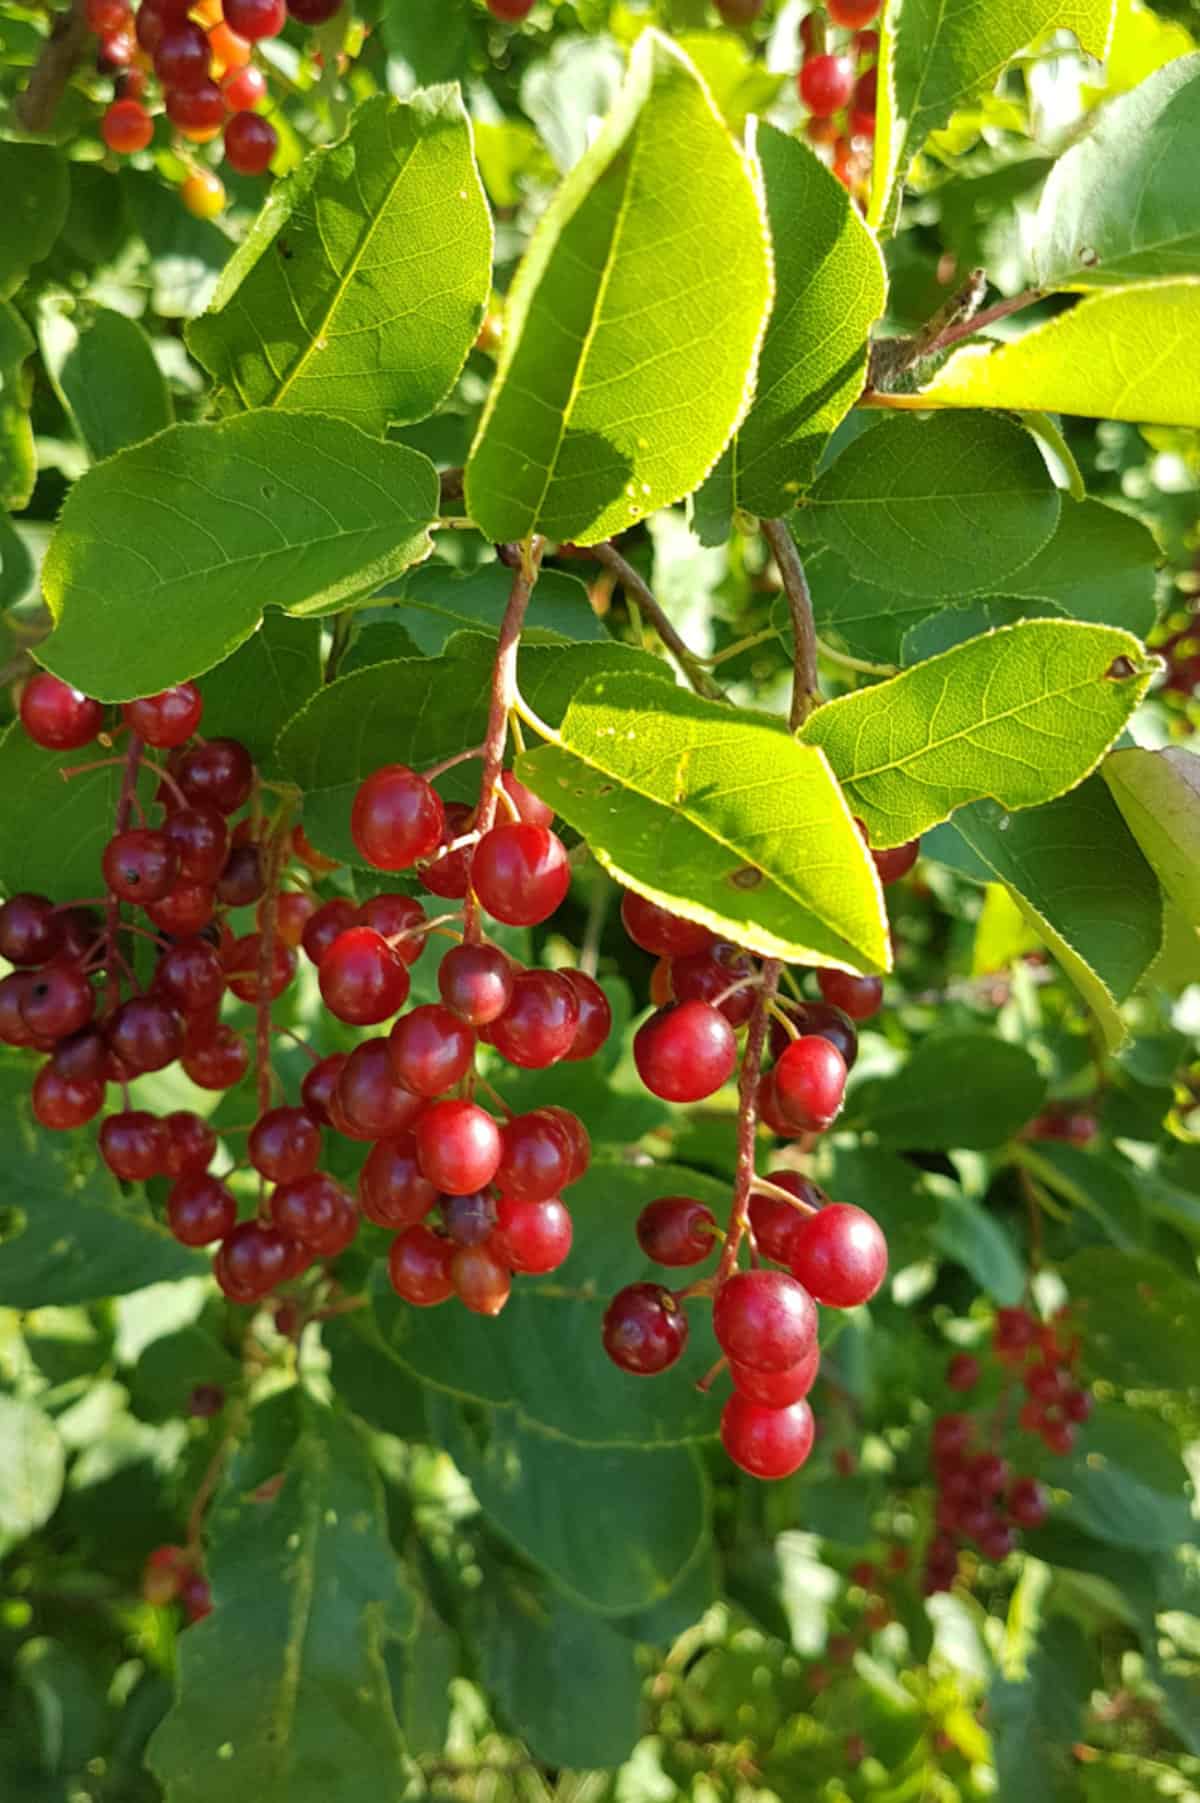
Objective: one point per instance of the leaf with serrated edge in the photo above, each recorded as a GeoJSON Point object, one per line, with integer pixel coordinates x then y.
{"type": "Point", "coordinates": [166, 554]}
{"type": "Point", "coordinates": [1018, 715]}
{"type": "Point", "coordinates": [18, 457]}
{"type": "Point", "coordinates": [830, 286]}
{"type": "Point", "coordinates": [1124, 354]}
{"type": "Point", "coordinates": [283, 1693]}
{"type": "Point", "coordinates": [718, 814]}
{"type": "Point", "coordinates": [53, 828]}
{"type": "Point", "coordinates": [1158, 793]}
{"type": "Point", "coordinates": [936, 55]}
{"type": "Point", "coordinates": [1121, 205]}
{"type": "Point", "coordinates": [944, 507]}
{"type": "Point", "coordinates": [633, 323]}
{"type": "Point", "coordinates": [81, 347]}
{"type": "Point", "coordinates": [363, 283]}
{"type": "Point", "coordinates": [1100, 566]}
{"type": "Point", "coordinates": [959, 1088]}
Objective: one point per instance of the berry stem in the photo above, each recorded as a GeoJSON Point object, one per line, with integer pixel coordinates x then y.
{"type": "Point", "coordinates": [112, 911]}
{"type": "Point", "coordinates": [764, 1186]}
{"type": "Point", "coordinates": [636, 589]}
{"type": "Point", "coordinates": [460, 757]}
{"type": "Point", "coordinates": [36, 106]}
{"type": "Point", "coordinates": [739, 1213]}
{"type": "Point", "coordinates": [806, 691]}
{"type": "Point", "coordinates": [339, 641]}
{"type": "Point", "coordinates": [277, 851]}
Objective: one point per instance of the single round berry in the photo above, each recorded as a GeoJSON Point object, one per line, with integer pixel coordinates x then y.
{"type": "Point", "coordinates": [285, 1143]}
{"type": "Point", "coordinates": [825, 83]}
{"type": "Point", "coordinates": [31, 931]}
{"type": "Point", "coordinates": [764, 1319]}
{"type": "Point", "coordinates": [83, 1056]}
{"type": "Point", "coordinates": [242, 880]}
{"type": "Point", "coordinates": [685, 1052]}
{"type": "Point", "coordinates": [539, 1025]}
{"type": "Point", "coordinates": [952, 1436]}
{"type": "Point", "coordinates": [1078, 1405]}
{"type": "Point", "coordinates": [14, 1029]}
{"type": "Point", "coordinates": [392, 1191]}
{"type": "Point", "coordinates": [198, 113]}
{"type": "Point", "coordinates": [243, 974]}
{"type": "Point", "coordinates": [862, 125]}
{"type": "Point", "coordinates": [1014, 1333]}
{"type": "Point", "coordinates": [418, 1267]}
{"type": "Point", "coordinates": [778, 1389]}
{"type": "Point", "coordinates": [520, 873]}
{"type": "Point", "coordinates": [431, 1049]}
{"type": "Point", "coordinates": [810, 1081]}
{"type": "Point", "coordinates": [657, 930]}
{"type": "Point", "coordinates": [396, 818]}
{"type": "Point", "coordinates": [219, 773]}
{"type": "Point", "coordinates": [480, 1281]}
{"type": "Point", "coordinates": [318, 1086]}
{"type": "Point", "coordinates": [996, 1542]}
{"type": "Point", "coordinates": [448, 873]}
{"type": "Point", "coordinates": [840, 1255]}
{"type": "Point", "coordinates": [190, 975]}
{"type": "Point", "coordinates": [535, 1157]}
{"type": "Point", "coordinates": [182, 58]}
{"type": "Point", "coordinates": [200, 1210]}
{"type": "Point", "coordinates": [775, 1223]}
{"type": "Point", "coordinates": [190, 1145]}
{"type": "Point", "coordinates": [134, 1145]}
{"type": "Point", "coordinates": [140, 865]}
{"type": "Point", "coordinates": [458, 1146]}
{"type": "Point", "coordinates": [532, 1237]}
{"type": "Point", "coordinates": [255, 19]}
{"type": "Point", "coordinates": [708, 976]}
{"type": "Point", "coordinates": [362, 979]}
{"type": "Point", "coordinates": [56, 716]}
{"type": "Point", "coordinates": [331, 920]}
{"type": "Point", "coordinates": [126, 126]}
{"type": "Point", "coordinates": [859, 997]}
{"type": "Point", "coordinates": [253, 1258]}
{"type": "Point", "coordinates": [1028, 1505]}
{"type": "Point", "coordinates": [250, 142]}
{"type": "Point", "coordinates": [56, 1000]}
{"type": "Point", "coordinates": [63, 1102]}
{"type": "Point", "coordinates": [204, 1401]}
{"type": "Point", "coordinates": [645, 1329]}
{"type": "Point", "coordinates": [370, 1101]}
{"type": "Point", "coordinates": [187, 908]}
{"type": "Point", "coordinates": [822, 1019]}
{"type": "Point", "coordinates": [317, 1212]}
{"type": "Point", "coordinates": [468, 1220]}
{"type": "Point", "coordinates": [476, 983]}
{"type": "Point", "coordinates": [595, 1016]}
{"type": "Point", "coordinates": [897, 861]}
{"type": "Point", "coordinates": [244, 87]}
{"type": "Point", "coordinates": [675, 1230]}
{"type": "Point", "coordinates": [768, 1443]}
{"type": "Point", "coordinates": [146, 1034]}
{"type": "Point", "coordinates": [576, 1132]}
{"type": "Point", "coordinates": [400, 919]}
{"type": "Point", "coordinates": [220, 1062]}
{"type": "Point", "coordinates": [200, 839]}
{"type": "Point", "coordinates": [962, 1373]}
{"type": "Point", "coordinates": [104, 16]}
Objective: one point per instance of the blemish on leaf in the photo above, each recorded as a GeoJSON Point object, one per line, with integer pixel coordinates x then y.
{"type": "Point", "coordinates": [749, 876]}
{"type": "Point", "coordinates": [1121, 669]}
{"type": "Point", "coordinates": [1088, 257]}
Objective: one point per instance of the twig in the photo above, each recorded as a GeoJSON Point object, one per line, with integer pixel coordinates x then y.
{"type": "Point", "coordinates": [739, 1214]}
{"type": "Point", "coordinates": [967, 328]}
{"type": "Point", "coordinates": [806, 692]}
{"type": "Point", "coordinates": [112, 911]}
{"type": "Point", "coordinates": [861, 664]}
{"type": "Point", "coordinates": [637, 589]}
{"type": "Point", "coordinates": [277, 845]}
{"type": "Point", "coordinates": [37, 105]}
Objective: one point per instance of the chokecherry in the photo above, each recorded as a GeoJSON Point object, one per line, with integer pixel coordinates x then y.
{"type": "Point", "coordinates": [392, 1191]}
{"type": "Point", "coordinates": [56, 716]}
{"type": "Point", "coordinates": [140, 865]}
{"type": "Point", "coordinates": [520, 873]}
{"type": "Point", "coordinates": [476, 982]}
{"type": "Point", "coordinates": [776, 1223]}
{"type": "Point", "coordinates": [418, 1266]}
{"type": "Point", "coordinates": [675, 1230]}
{"type": "Point", "coordinates": [370, 1100]}
{"type": "Point", "coordinates": [56, 1000]}
{"type": "Point", "coordinates": [31, 931]}
{"type": "Point", "coordinates": [190, 1145]}
{"type": "Point", "coordinates": [133, 1145]}
{"type": "Point", "coordinates": [190, 975]}
{"type": "Point", "coordinates": [63, 1102]}
{"type": "Point", "coordinates": [539, 1025]}
{"type": "Point", "coordinates": [200, 838]}
{"type": "Point", "coordinates": [809, 1082]}
{"type": "Point", "coordinates": [458, 1146]}
{"type": "Point", "coordinates": [766, 1442]}
{"type": "Point", "coordinates": [535, 1157]}
{"type": "Point", "coordinates": [200, 1210]}
{"type": "Point", "coordinates": [645, 1329]}
{"type": "Point", "coordinates": [255, 19]}
{"type": "Point", "coordinates": [840, 1255]}
{"type": "Point", "coordinates": [778, 1389]}
{"type": "Point", "coordinates": [396, 818]}
{"type": "Point", "coordinates": [532, 1237]}
{"type": "Point", "coordinates": [285, 1143]}
{"type": "Point", "coordinates": [480, 1281]}
{"type": "Point", "coordinates": [685, 1052]}
{"type": "Point", "coordinates": [220, 1061]}
{"type": "Point", "coordinates": [362, 979]}
{"type": "Point", "coordinates": [595, 1016]}
{"type": "Point", "coordinates": [250, 142]}
{"type": "Point", "coordinates": [764, 1319]}
{"type": "Point", "coordinates": [331, 920]}
{"type": "Point", "coordinates": [859, 997]}
{"type": "Point", "coordinates": [659, 931]}
{"type": "Point", "coordinates": [219, 772]}
{"type": "Point", "coordinates": [825, 83]}
{"type": "Point", "coordinates": [431, 1049]}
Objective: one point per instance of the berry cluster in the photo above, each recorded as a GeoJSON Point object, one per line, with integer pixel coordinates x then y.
{"type": "Point", "coordinates": [979, 1500]}
{"type": "Point", "coordinates": [171, 1574]}
{"type": "Point", "coordinates": [200, 58]}
{"type": "Point", "coordinates": [1176, 640]}
{"type": "Point", "coordinates": [837, 83]}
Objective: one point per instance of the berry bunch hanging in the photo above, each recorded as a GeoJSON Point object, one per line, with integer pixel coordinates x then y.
{"type": "Point", "coordinates": [837, 81]}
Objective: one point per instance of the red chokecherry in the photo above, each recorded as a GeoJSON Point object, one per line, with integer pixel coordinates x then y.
{"type": "Point", "coordinates": [331, 920]}
{"type": "Point", "coordinates": [659, 931]}
{"type": "Point", "coordinates": [134, 1145]}
{"type": "Point", "coordinates": [840, 1255]}
{"type": "Point", "coordinates": [458, 1145]}
{"type": "Point", "coordinates": [675, 1230]}
{"type": "Point", "coordinates": [140, 865]}
{"type": "Point", "coordinates": [167, 719]}
{"type": "Point", "coordinates": [396, 818]}
{"type": "Point", "coordinates": [520, 873]}
{"type": "Point", "coordinates": [859, 997]}
{"type": "Point", "coordinates": [190, 975]}
{"type": "Point", "coordinates": [255, 19]}
{"type": "Point", "coordinates": [392, 1190]}
{"type": "Point", "coordinates": [55, 1001]}
{"type": "Point", "coordinates": [532, 1237]}
{"type": "Point", "coordinates": [126, 127]}
{"type": "Point", "coordinates": [252, 1259]}
{"type": "Point", "coordinates": [418, 1266]}
{"type": "Point", "coordinates": [809, 1082]}
{"type": "Point", "coordinates": [764, 1319]}
{"type": "Point", "coordinates": [645, 1329]}
{"type": "Point", "coordinates": [476, 983]}
{"type": "Point", "coordinates": [480, 1281]}
{"type": "Point", "coordinates": [200, 1210]}
{"type": "Point", "coordinates": [31, 930]}
{"type": "Point", "coordinates": [776, 1223]}
{"type": "Point", "coordinates": [535, 1157]}
{"type": "Point", "coordinates": [63, 1102]}
{"type": "Point", "coordinates": [285, 1143]}
{"type": "Point", "coordinates": [778, 1389]}
{"type": "Point", "coordinates": [539, 1025]}
{"type": "Point", "coordinates": [219, 1061]}
{"type": "Point", "coordinates": [318, 1086]}
{"type": "Point", "coordinates": [369, 1102]}
{"type": "Point", "coordinates": [199, 836]}
{"type": "Point", "coordinates": [363, 981]}
{"type": "Point", "coordinates": [56, 716]}
{"type": "Point", "coordinates": [219, 772]}
{"type": "Point", "coordinates": [431, 1049]}
{"type": "Point", "coordinates": [685, 1052]}
{"type": "Point", "coordinates": [190, 1145]}
{"type": "Point", "coordinates": [766, 1442]}
{"type": "Point", "coordinates": [595, 1016]}
{"type": "Point", "coordinates": [250, 142]}
{"type": "Point", "coordinates": [825, 84]}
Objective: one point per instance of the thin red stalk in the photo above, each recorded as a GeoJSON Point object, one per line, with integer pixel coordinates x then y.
{"type": "Point", "coordinates": [764, 1187]}
{"type": "Point", "coordinates": [112, 911]}
{"type": "Point", "coordinates": [460, 757]}
{"type": "Point", "coordinates": [739, 1214]}
{"type": "Point", "coordinates": [967, 328]}
{"type": "Point", "coordinates": [276, 858]}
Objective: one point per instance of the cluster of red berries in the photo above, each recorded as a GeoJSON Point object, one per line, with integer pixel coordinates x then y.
{"type": "Point", "coordinates": [1072, 1123]}
{"type": "Point", "coordinates": [171, 1574]}
{"type": "Point", "coordinates": [838, 85]}
{"type": "Point", "coordinates": [979, 1499]}
{"type": "Point", "coordinates": [1177, 641]}
{"type": "Point", "coordinates": [202, 58]}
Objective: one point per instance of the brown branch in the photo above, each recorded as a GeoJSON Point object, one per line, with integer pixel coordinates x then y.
{"type": "Point", "coordinates": [739, 1214]}
{"type": "Point", "coordinates": [112, 911]}
{"type": "Point", "coordinates": [36, 106]}
{"type": "Point", "coordinates": [633, 585]}
{"type": "Point", "coordinates": [806, 692]}
{"type": "Point", "coordinates": [277, 849]}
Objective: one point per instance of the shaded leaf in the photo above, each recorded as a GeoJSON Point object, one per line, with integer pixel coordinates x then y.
{"type": "Point", "coordinates": [35, 181]}
{"type": "Point", "coordinates": [435, 601]}
{"type": "Point", "coordinates": [53, 829]}
{"type": "Point", "coordinates": [1035, 1720]}
{"type": "Point", "coordinates": [1137, 1317]}
{"type": "Point", "coordinates": [1158, 793]}
{"type": "Point", "coordinates": [82, 347]}
{"type": "Point", "coordinates": [959, 1088]}
{"type": "Point", "coordinates": [18, 462]}
{"type": "Point", "coordinates": [33, 1461]}
{"type": "Point", "coordinates": [252, 695]}
{"type": "Point", "coordinates": [1125, 1481]}
{"type": "Point", "coordinates": [967, 1233]}
{"type": "Point", "coordinates": [1099, 566]}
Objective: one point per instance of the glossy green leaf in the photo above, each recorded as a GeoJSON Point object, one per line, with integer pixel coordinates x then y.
{"type": "Point", "coordinates": [53, 829]}
{"type": "Point", "coordinates": [867, 619]}
{"type": "Point", "coordinates": [1099, 566]}
{"type": "Point", "coordinates": [421, 710]}
{"type": "Point", "coordinates": [830, 286]}
{"type": "Point", "coordinates": [635, 1522]}
{"type": "Point", "coordinates": [623, 370]}
{"type": "Point", "coordinates": [1158, 793]}
{"type": "Point", "coordinates": [362, 285]}
{"type": "Point", "coordinates": [937, 55]}
{"type": "Point", "coordinates": [1120, 206]}
{"type": "Point", "coordinates": [66, 1232]}
{"type": "Point", "coordinates": [960, 1088]}
{"type": "Point", "coordinates": [33, 1461]}
{"type": "Point", "coordinates": [718, 813]}
{"type": "Point", "coordinates": [1125, 1480]}
{"type": "Point", "coordinates": [35, 182]}
{"type": "Point", "coordinates": [1138, 1318]}
{"type": "Point", "coordinates": [18, 463]}
{"type": "Point", "coordinates": [1076, 873]}
{"type": "Point", "coordinates": [1036, 1717]}
{"type": "Point", "coordinates": [1017, 716]}
{"type": "Point", "coordinates": [1103, 1186]}
{"type": "Point", "coordinates": [82, 348]}
{"type": "Point", "coordinates": [551, 1326]}
{"type": "Point", "coordinates": [166, 554]}
{"type": "Point", "coordinates": [435, 601]}
{"type": "Point", "coordinates": [1123, 354]}
{"type": "Point", "coordinates": [947, 507]}
{"type": "Point", "coordinates": [283, 1693]}
{"type": "Point", "coordinates": [254, 693]}
{"type": "Point", "coordinates": [967, 1233]}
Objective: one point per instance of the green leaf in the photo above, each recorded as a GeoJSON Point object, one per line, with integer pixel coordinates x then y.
{"type": "Point", "coordinates": [16, 564]}
{"type": "Point", "coordinates": [419, 711]}
{"type": "Point", "coordinates": [1099, 566]}
{"type": "Point", "coordinates": [166, 554]}
{"type": "Point", "coordinates": [889, 1188]}
{"type": "Point", "coordinates": [66, 1232]}
{"type": "Point", "coordinates": [1074, 870]}
{"type": "Point", "coordinates": [737, 81]}
{"type": "Point", "coordinates": [33, 1462]}
{"type": "Point", "coordinates": [1017, 716]}
{"type": "Point", "coordinates": [624, 370]}
{"type": "Point", "coordinates": [35, 179]}
{"type": "Point", "coordinates": [634, 1523]}
{"type": "Point", "coordinates": [718, 813]}
{"type": "Point", "coordinates": [1123, 354]}
{"type": "Point", "coordinates": [186, 254]}
{"type": "Point", "coordinates": [947, 507]}
{"type": "Point", "coordinates": [959, 1088]}
{"type": "Point", "coordinates": [934, 58]}
{"type": "Point", "coordinates": [283, 1692]}
{"type": "Point", "coordinates": [1125, 1480]}
{"type": "Point", "coordinates": [254, 693]}
{"type": "Point", "coordinates": [1103, 1186]}
{"type": "Point", "coordinates": [1120, 206]}
{"type": "Point", "coordinates": [1158, 793]}
{"type": "Point", "coordinates": [551, 1327]}
{"type": "Point", "coordinates": [53, 830]}
{"type": "Point", "coordinates": [18, 462]}
{"type": "Point", "coordinates": [1035, 1721]}
{"type": "Point", "coordinates": [363, 283]}
{"type": "Point", "coordinates": [1138, 1318]}
{"type": "Point", "coordinates": [428, 40]}
{"type": "Point", "coordinates": [865, 618]}
{"type": "Point", "coordinates": [82, 347]}
{"type": "Point", "coordinates": [967, 1233]}
{"type": "Point", "coordinates": [830, 286]}
{"type": "Point", "coordinates": [170, 1368]}
{"type": "Point", "coordinates": [435, 601]}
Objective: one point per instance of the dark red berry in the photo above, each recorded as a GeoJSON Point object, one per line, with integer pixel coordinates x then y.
{"type": "Point", "coordinates": [535, 1157]}
{"type": "Point", "coordinates": [510, 11]}
{"type": "Point", "coordinates": [595, 1016]}
{"type": "Point", "coordinates": [396, 818]}
{"type": "Point", "coordinates": [392, 1191]}
{"type": "Point", "coordinates": [1027, 1503]}
{"type": "Point", "coordinates": [778, 1389]}
{"type": "Point", "coordinates": [809, 1083]}
{"type": "Point", "coordinates": [134, 1145]}
{"type": "Point", "coordinates": [418, 1267]}
{"type": "Point", "coordinates": [1014, 1333]}
{"type": "Point", "coordinates": [56, 1000]}
{"type": "Point", "coordinates": [251, 141]}
{"type": "Point", "coordinates": [255, 19]}
{"type": "Point", "coordinates": [63, 1102]}
{"type": "Point", "coordinates": [539, 1025]}
{"type": "Point", "coordinates": [167, 719]}
{"type": "Point", "coordinates": [768, 1443]}
{"type": "Point", "coordinates": [645, 1329]}
{"type": "Point", "coordinates": [252, 1259]}
{"type": "Point", "coordinates": [200, 1210]}
{"type": "Point", "coordinates": [190, 1145]}
{"type": "Point", "coordinates": [285, 1143]}
{"type": "Point", "coordinates": [520, 873]}
{"type": "Point", "coordinates": [220, 1062]}
{"type": "Point", "coordinates": [190, 975]}
{"type": "Point", "coordinates": [530, 807]}
{"type": "Point", "coordinates": [316, 1211]}
{"type": "Point", "coordinates": [764, 1319]}
{"type": "Point", "coordinates": [468, 1220]}
{"type": "Point", "coordinates": [242, 879]}
{"type": "Point", "coordinates": [219, 772]}
{"type": "Point", "coordinates": [822, 1019]}
{"type": "Point", "coordinates": [657, 930]}
{"type": "Point", "coordinates": [185, 909]}
{"type": "Point", "coordinates": [318, 1086]}
{"type": "Point", "coordinates": [331, 920]}
{"type": "Point", "coordinates": [476, 983]}
{"type": "Point", "coordinates": [675, 1230]}
{"type": "Point", "coordinates": [83, 1056]}
{"type": "Point", "coordinates": [852, 13]}
{"type": "Point", "coordinates": [398, 919]}
{"type": "Point", "coordinates": [951, 1436]}
{"type": "Point", "coordinates": [840, 1255]}
{"type": "Point", "coordinates": [242, 973]}
{"type": "Point", "coordinates": [431, 1049]}
{"type": "Point", "coordinates": [896, 862]}
{"type": "Point", "coordinates": [182, 59]}
{"type": "Point", "coordinates": [293, 910]}
{"type": "Point", "coordinates": [776, 1223]}
{"type": "Point", "coordinates": [448, 873]}
{"type": "Point", "coordinates": [140, 865]}
{"type": "Point", "coordinates": [200, 837]}
{"type": "Point", "coordinates": [685, 1052]}
{"type": "Point", "coordinates": [576, 1132]}
{"type": "Point", "coordinates": [205, 1400]}
{"type": "Point", "coordinates": [707, 976]}
{"type": "Point", "coordinates": [458, 1146]}
{"type": "Point", "coordinates": [31, 932]}
{"type": "Point", "coordinates": [362, 979]}
{"type": "Point", "coordinates": [370, 1101]}
{"type": "Point", "coordinates": [532, 1237]}
{"type": "Point", "coordinates": [859, 997]}
{"type": "Point", "coordinates": [56, 716]}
